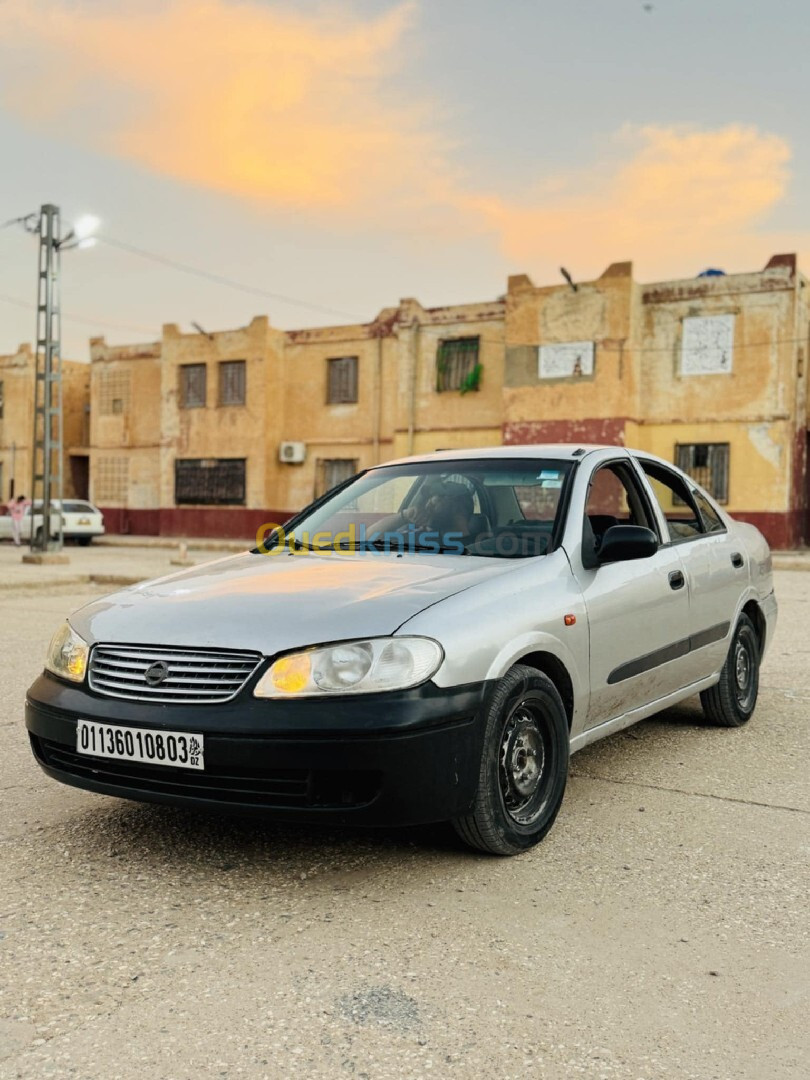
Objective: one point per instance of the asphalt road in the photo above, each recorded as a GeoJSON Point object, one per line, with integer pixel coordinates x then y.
{"type": "Point", "coordinates": [660, 931]}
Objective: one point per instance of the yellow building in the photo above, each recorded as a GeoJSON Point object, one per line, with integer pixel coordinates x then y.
{"type": "Point", "coordinates": [17, 375]}
{"type": "Point", "coordinates": [708, 372]}
{"type": "Point", "coordinates": [215, 434]}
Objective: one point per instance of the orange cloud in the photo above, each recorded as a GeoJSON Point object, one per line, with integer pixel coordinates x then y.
{"type": "Point", "coordinates": [297, 110]}
{"type": "Point", "coordinates": [275, 105]}
{"type": "Point", "coordinates": [682, 197]}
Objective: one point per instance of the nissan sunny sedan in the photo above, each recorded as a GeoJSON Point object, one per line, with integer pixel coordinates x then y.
{"type": "Point", "coordinates": [428, 642]}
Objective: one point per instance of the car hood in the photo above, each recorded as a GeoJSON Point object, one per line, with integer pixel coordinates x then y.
{"type": "Point", "coordinates": [272, 603]}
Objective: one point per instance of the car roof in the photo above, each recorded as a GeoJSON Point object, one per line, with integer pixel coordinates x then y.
{"type": "Point", "coordinates": [555, 451]}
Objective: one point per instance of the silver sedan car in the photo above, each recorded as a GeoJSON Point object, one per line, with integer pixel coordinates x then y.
{"type": "Point", "coordinates": [430, 641]}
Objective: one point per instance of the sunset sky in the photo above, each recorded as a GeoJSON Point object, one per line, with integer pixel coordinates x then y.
{"type": "Point", "coordinates": [347, 155]}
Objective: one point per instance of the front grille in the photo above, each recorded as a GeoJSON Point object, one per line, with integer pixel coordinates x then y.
{"type": "Point", "coordinates": [190, 675]}
{"type": "Point", "coordinates": [283, 788]}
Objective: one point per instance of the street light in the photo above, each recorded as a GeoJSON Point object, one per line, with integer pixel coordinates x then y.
{"type": "Point", "coordinates": [47, 447]}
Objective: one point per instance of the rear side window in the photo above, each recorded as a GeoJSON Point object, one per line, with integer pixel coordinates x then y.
{"type": "Point", "coordinates": [676, 502]}
{"type": "Point", "coordinates": [711, 519]}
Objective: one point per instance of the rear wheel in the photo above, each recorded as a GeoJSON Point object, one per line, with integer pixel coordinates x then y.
{"type": "Point", "coordinates": [731, 701]}
{"type": "Point", "coordinates": [524, 765]}
{"type": "Point", "coordinates": [84, 540]}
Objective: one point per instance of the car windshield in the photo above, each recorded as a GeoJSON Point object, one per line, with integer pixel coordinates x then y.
{"type": "Point", "coordinates": [494, 508]}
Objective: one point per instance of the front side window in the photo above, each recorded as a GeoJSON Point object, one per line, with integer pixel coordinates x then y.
{"type": "Point", "coordinates": [614, 498]}
{"type": "Point", "coordinates": [707, 464]}
{"type": "Point", "coordinates": [232, 382]}
{"type": "Point", "coordinates": [209, 481]}
{"type": "Point", "coordinates": [457, 365]}
{"type": "Point", "coordinates": [676, 502]}
{"type": "Point", "coordinates": [192, 386]}
{"type": "Point", "coordinates": [493, 508]}
{"type": "Point", "coordinates": [341, 382]}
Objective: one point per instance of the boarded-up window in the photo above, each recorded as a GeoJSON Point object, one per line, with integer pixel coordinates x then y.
{"type": "Point", "coordinates": [569, 360]}
{"type": "Point", "coordinates": [110, 481]}
{"type": "Point", "coordinates": [707, 346]}
{"type": "Point", "coordinates": [209, 481]}
{"type": "Point", "coordinates": [457, 363]}
{"type": "Point", "coordinates": [114, 388]}
{"type": "Point", "coordinates": [707, 463]}
{"type": "Point", "coordinates": [192, 386]}
{"type": "Point", "coordinates": [341, 380]}
{"type": "Point", "coordinates": [333, 471]}
{"type": "Point", "coordinates": [232, 382]}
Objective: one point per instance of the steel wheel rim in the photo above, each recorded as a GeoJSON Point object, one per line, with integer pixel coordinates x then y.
{"type": "Point", "coordinates": [744, 668]}
{"type": "Point", "coordinates": [524, 762]}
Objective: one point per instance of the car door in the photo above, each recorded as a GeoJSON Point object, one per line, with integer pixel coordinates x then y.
{"type": "Point", "coordinates": [716, 572]}
{"type": "Point", "coordinates": [638, 611]}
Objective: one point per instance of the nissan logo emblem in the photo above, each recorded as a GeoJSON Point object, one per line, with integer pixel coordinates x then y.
{"type": "Point", "coordinates": [157, 673]}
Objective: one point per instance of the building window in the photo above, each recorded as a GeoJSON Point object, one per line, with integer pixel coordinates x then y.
{"type": "Point", "coordinates": [2, 400]}
{"type": "Point", "coordinates": [706, 463]}
{"type": "Point", "coordinates": [209, 481]}
{"type": "Point", "coordinates": [333, 471]}
{"type": "Point", "coordinates": [117, 405]}
{"type": "Point", "coordinates": [341, 386]}
{"type": "Point", "coordinates": [232, 382]}
{"type": "Point", "coordinates": [192, 386]}
{"type": "Point", "coordinates": [457, 364]}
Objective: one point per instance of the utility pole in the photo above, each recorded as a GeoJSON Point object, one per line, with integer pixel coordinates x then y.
{"type": "Point", "coordinates": [46, 449]}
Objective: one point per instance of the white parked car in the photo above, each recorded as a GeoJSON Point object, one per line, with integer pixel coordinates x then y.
{"type": "Point", "coordinates": [81, 521]}
{"type": "Point", "coordinates": [430, 641]}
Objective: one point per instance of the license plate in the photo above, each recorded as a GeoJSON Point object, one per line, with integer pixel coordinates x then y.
{"type": "Point", "coordinates": [84, 521]}
{"type": "Point", "coordinates": [180, 749]}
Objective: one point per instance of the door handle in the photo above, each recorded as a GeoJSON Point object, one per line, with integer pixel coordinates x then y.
{"type": "Point", "coordinates": [676, 580]}
{"type": "Point", "coordinates": [737, 560]}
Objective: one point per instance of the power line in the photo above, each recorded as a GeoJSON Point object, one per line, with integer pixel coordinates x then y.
{"type": "Point", "coordinates": [17, 301]}
{"type": "Point", "coordinates": [219, 279]}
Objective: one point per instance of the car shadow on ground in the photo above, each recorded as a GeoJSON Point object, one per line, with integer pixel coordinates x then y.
{"type": "Point", "coordinates": [158, 835]}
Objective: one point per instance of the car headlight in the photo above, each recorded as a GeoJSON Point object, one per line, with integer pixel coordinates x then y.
{"type": "Point", "coordinates": [353, 667]}
{"type": "Point", "coordinates": [67, 654]}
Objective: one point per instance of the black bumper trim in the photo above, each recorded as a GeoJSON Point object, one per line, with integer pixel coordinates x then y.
{"type": "Point", "coordinates": [419, 764]}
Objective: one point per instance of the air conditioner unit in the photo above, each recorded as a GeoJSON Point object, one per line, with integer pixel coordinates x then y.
{"type": "Point", "coordinates": [292, 453]}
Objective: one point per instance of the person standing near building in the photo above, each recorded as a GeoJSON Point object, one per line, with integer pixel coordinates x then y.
{"type": "Point", "coordinates": [16, 509]}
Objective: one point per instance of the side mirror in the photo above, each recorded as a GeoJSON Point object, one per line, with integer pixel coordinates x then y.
{"type": "Point", "coordinates": [624, 542]}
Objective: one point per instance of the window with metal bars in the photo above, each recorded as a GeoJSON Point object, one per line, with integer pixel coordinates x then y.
{"type": "Point", "coordinates": [232, 382]}
{"type": "Point", "coordinates": [341, 382]}
{"type": "Point", "coordinates": [192, 386]}
{"type": "Point", "coordinates": [333, 471]}
{"type": "Point", "coordinates": [209, 481]}
{"type": "Point", "coordinates": [457, 364]}
{"type": "Point", "coordinates": [708, 464]}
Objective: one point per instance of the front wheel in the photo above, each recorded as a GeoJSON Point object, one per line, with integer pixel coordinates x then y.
{"type": "Point", "coordinates": [524, 765]}
{"type": "Point", "coordinates": [731, 701]}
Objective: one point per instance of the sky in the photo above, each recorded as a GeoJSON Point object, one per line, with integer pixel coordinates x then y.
{"type": "Point", "coordinates": [336, 157]}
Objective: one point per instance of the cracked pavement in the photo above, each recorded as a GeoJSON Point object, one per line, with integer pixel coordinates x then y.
{"type": "Point", "coordinates": [659, 931]}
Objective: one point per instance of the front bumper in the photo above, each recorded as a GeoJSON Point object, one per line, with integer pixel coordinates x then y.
{"type": "Point", "coordinates": [402, 758]}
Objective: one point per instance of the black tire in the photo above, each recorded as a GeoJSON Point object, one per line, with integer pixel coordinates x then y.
{"type": "Point", "coordinates": [38, 537]}
{"type": "Point", "coordinates": [517, 801]}
{"type": "Point", "coordinates": [731, 701]}
{"type": "Point", "coordinates": [83, 541]}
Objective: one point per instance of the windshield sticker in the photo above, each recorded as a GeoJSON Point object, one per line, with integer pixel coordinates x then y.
{"type": "Point", "coordinates": [549, 474]}
{"type": "Point", "coordinates": [551, 483]}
